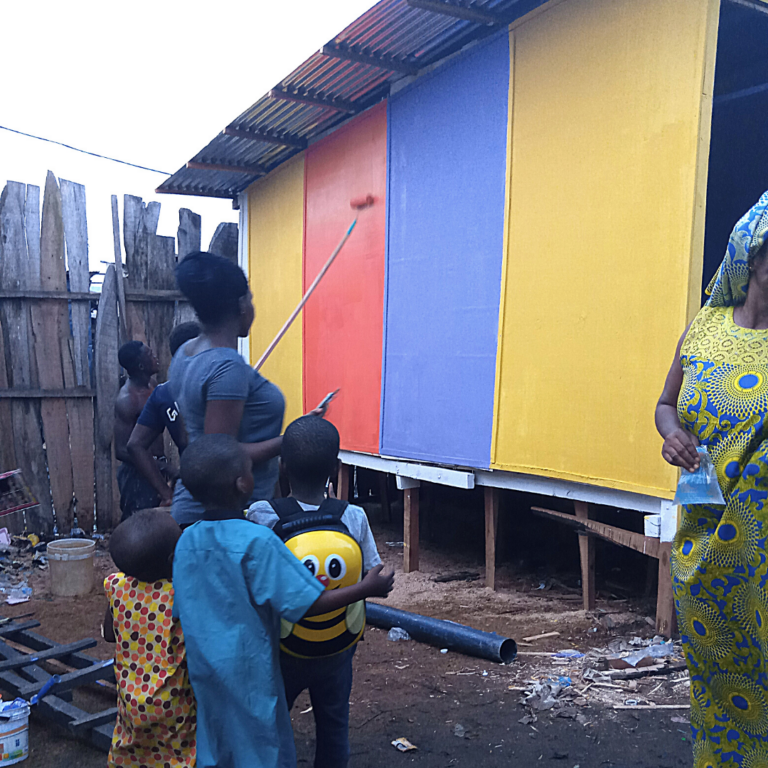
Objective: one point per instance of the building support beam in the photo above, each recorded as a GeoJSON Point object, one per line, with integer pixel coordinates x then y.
{"type": "Point", "coordinates": [284, 140]}
{"type": "Point", "coordinates": [326, 102]}
{"type": "Point", "coordinates": [491, 532]}
{"type": "Point", "coordinates": [411, 529]}
{"type": "Point", "coordinates": [666, 618]}
{"type": "Point", "coordinates": [587, 555]}
{"type": "Point", "coordinates": [342, 490]}
{"type": "Point", "coordinates": [196, 193]}
{"type": "Point", "coordinates": [250, 170]}
{"type": "Point", "coordinates": [386, 63]}
{"type": "Point", "coordinates": [477, 15]}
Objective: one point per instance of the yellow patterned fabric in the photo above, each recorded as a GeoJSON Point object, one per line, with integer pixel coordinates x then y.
{"type": "Point", "coordinates": [719, 563]}
{"type": "Point", "coordinates": [156, 712]}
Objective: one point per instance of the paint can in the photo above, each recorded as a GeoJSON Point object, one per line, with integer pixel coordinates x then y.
{"type": "Point", "coordinates": [70, 562]}
{"type": "Point", "coordinates": [14, 732]}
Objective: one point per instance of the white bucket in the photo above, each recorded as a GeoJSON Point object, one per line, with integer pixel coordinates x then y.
{"type": "Point", "coordinates": [70, 562]}
{"type": "Point", "coordinates": [14, 736]}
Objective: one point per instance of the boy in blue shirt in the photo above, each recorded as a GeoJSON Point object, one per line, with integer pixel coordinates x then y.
{"type": "Point", "coordinates": [233, 582]}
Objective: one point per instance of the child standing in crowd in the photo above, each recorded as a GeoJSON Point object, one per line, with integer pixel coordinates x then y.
{"type": "Point", "coordinates": [156, 708]}
{"type": "Point", "coordinates": [234, 581]}
{"type": "Point", "coordinates": [309, 456]}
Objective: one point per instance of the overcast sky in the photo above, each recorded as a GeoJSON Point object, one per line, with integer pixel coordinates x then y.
{"type": "Point", "coordinates": [146, 82]}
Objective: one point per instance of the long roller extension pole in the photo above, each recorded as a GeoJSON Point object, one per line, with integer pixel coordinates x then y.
{"type": "Point", "coordinates": [359, 205]}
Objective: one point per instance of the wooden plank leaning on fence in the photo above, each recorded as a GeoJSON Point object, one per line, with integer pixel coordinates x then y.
{"type": "Point", "coordinates": [106, 370]}
{"type": "Point", "coordinates": [79, 410]}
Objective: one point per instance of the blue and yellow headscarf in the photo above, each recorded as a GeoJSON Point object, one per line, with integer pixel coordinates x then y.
{"type": "Point", "coordinates": [729, 285]}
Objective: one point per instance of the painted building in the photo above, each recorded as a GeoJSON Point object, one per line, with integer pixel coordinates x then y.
{"type": "Point", "coordinates": [554, 182]}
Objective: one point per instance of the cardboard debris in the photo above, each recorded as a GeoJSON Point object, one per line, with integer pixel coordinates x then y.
{"type": "Point", "coordinates": [403, 745]}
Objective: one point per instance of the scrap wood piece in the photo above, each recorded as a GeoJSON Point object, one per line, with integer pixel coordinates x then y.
{"type": "Point", "coordinates": [459, 576]}
{"type": "Point", "coordinates": [637, 541]}
{"type": "Point", "coordinates": [56, 710]}
{"type": "Point", "coordinates": [542, 636]}
{"type": "Point", "coordinates": [92, 720]}
{"type": "Point", "coordinates": [659, 669]}
{"type": "Point", "coordinates": [651, 706]}
{"type": "Point", "coordinates": [73, 679]}
{"type": "Point", "coordinates": [8, 630]}
{"type": "Point", "coordinates": [56, 652]}
{"type": "Point", "coordinates": [62, 669]}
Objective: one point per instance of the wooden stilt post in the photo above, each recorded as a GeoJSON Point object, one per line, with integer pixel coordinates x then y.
{"type": "Point", "coordinates": [666, 618]}
{"type": "Point", "coordinates": [587, 553]}
{"type": "Point", "coordinates": [491, 530]}
{"type": "Point", "coordinates": [410, 490]}
{"type": "Point", "coordinates": [342, 492]}
{"type": "Point", "coordinates": [384, 494]}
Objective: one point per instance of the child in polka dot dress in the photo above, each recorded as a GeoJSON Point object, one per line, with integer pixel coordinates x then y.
{"type": "Point", "coordinates": [156, 718]}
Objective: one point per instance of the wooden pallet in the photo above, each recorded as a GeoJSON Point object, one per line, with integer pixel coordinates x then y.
{"type": "Point", "coordinates": [20, 676]}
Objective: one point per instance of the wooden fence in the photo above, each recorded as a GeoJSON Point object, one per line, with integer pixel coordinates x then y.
{"type": "Point", "coordinates": [59, 375]}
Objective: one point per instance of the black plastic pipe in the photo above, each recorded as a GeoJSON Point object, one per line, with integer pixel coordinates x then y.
{"type": "Point", "coordinates": [444, 634]}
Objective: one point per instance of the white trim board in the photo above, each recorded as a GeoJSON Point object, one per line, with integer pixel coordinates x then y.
{"type": "Point", "coordinates": [243, 344]}
{"type": "Point", "coordinates": [430, 473]}
{"type": "Point", "coordinates": [514, 481]}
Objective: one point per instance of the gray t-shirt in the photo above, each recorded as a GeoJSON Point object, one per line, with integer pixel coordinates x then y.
{"type": "Point", "coordinates": [222, 374]}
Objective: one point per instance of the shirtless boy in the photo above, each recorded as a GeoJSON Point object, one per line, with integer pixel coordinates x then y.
{"type": "Point", "coordinates": [140, 364]}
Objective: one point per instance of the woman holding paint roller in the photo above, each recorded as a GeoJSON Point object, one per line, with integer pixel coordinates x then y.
{"type": "Point", "coordinates": [217, 391]}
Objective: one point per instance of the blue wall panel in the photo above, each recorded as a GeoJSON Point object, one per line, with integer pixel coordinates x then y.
{"type": "Point", "coordinates": [446, 175]}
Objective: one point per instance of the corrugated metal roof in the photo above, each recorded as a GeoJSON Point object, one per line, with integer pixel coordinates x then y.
{"type": "Point", "coordinates": [393, 39]}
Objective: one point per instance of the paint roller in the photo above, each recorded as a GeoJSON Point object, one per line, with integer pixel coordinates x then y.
{"type": "Point", "coordinates": [358, 204]}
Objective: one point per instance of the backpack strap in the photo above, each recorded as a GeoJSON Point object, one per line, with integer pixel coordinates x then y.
{"type": "Point", "coordinates": [292, 519]}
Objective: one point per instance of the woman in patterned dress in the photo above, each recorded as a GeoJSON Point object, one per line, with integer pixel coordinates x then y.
{"type": "Point", "coordinates": [716, 395]}
{"type": "Point", "coordinates": [156, 712]}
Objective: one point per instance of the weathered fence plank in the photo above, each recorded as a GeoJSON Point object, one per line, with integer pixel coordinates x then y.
{"type": "Point", "coordinates": [32, 228]}
{"type": "Point", "coordinates": [224, 241]}
{"type": "Point", "coordinates": [189, 239]}
{"type": "Point", "coordinates": [106, 370]}
{"type": "Point", "coordinates": [14, 275]}
{"type": "Point", "coordinates": [50, 325]}
{"type": "Point", "coordinates": [123, 319]}
{"type": "Point", "coordinates": [31, 459]}
{"type": "Point", "coordinates": [76, 238]}
{"type": "Point", "coordinates": [188, 233]}
{"type": "Point", "coordinates": [7, 444]}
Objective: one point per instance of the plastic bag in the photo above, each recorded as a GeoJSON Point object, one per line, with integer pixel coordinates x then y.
{"type": "Point", "coordinates": [701, 486]}
{"type": "Point", "coordinates": [397, 633]}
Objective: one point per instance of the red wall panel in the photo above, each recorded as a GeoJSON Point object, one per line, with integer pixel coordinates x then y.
{"type": "Point", "coordinates": [343, 320]}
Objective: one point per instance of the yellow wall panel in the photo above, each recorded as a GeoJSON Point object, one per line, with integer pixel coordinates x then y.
{"type": "Point", "coordinates": [606, 172]}
{"type": "Point", "coordinates": [275, 241]}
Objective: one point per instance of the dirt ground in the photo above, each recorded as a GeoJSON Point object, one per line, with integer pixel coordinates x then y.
{"type": "Point", "coordinates": [406, 689]}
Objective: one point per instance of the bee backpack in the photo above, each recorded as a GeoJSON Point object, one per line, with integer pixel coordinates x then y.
{"type": "Point", "coordinates": [324, 545]}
